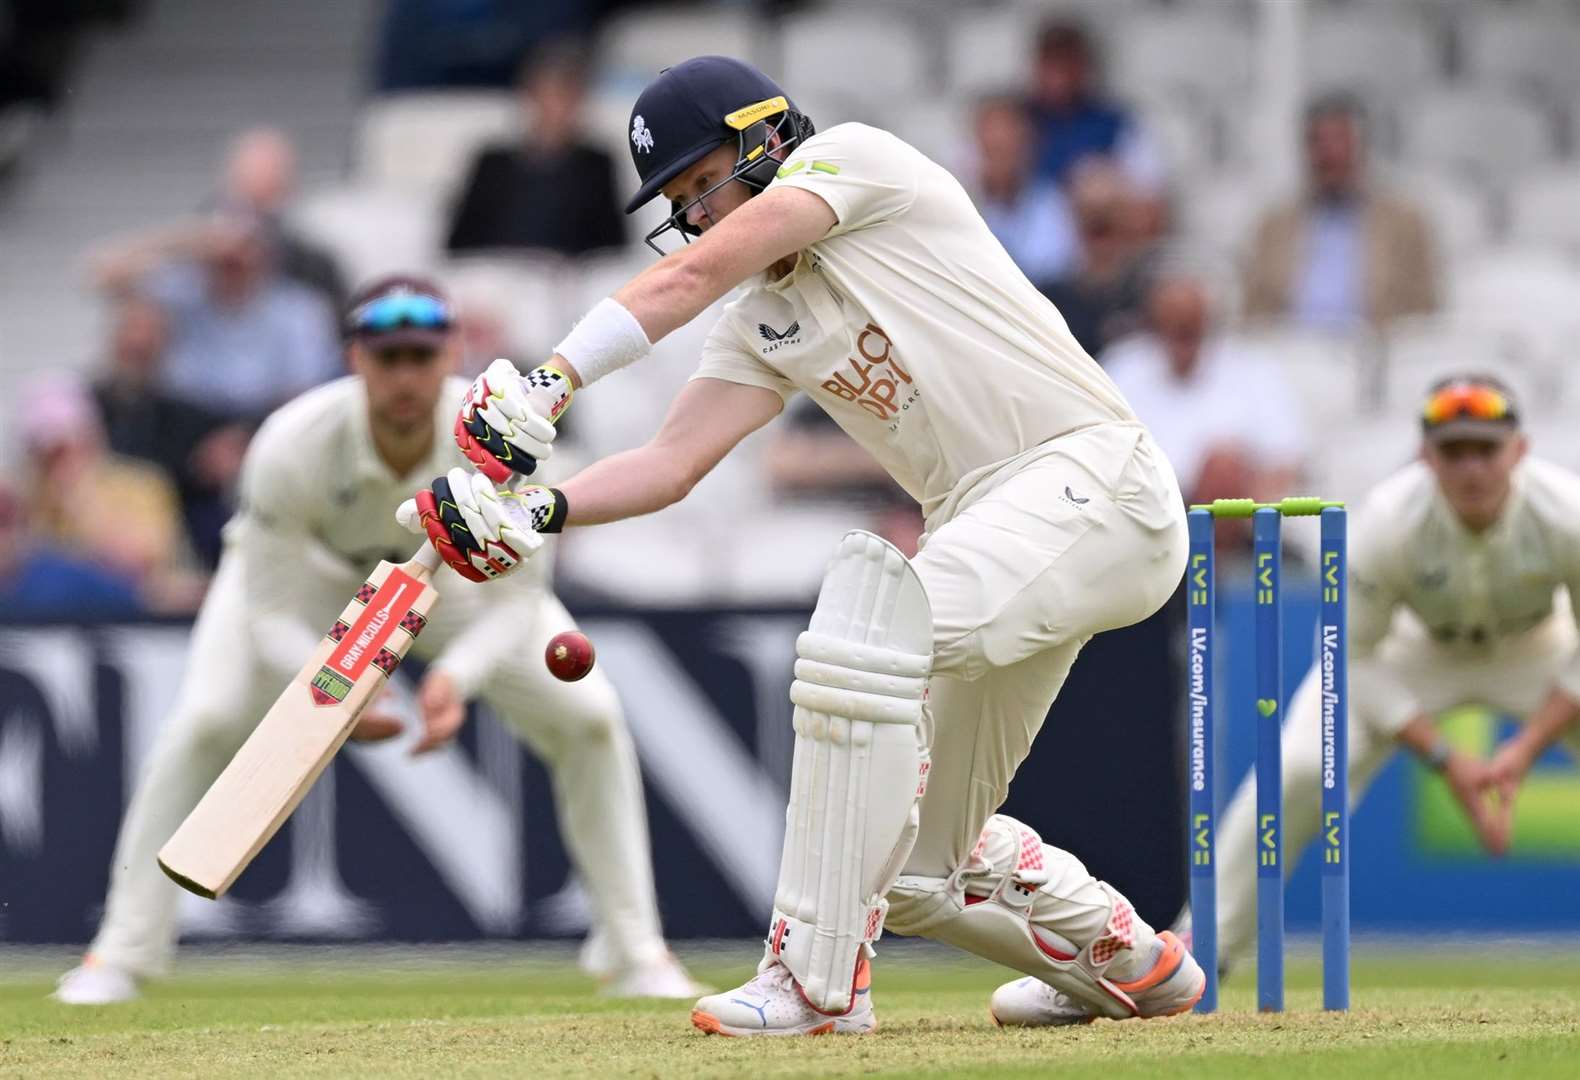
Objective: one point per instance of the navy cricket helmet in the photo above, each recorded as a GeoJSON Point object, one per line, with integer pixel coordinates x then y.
{"type": "Point", "coordinates": [696, 107]}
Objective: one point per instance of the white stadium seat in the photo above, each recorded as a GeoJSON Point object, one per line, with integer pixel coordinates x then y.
{"type": "Point", "coordinates": [1219, 213]}
{"type": "Point", "coordinates": [1195, 52]}
{"type": "Point", "coordinates": [373, 231]}
{"type": "Point", "coordinates": [425, 142]}
{"type": "Point", "coordinates": [535, 297]}
{"type": "Point", "coordinates": [1544, 210]}
{"type": "Point", "coordinates": [1356, 455]}
{"type": "Point", "coordinates": [1368, 51]}
{"type": "Point", "coordinates": [989, 51]}
{"type": "Point", "coordinates": [1457, 209]}
{"type": "Point", "coordinates": [870, 58]}
{"type": "Point", "coordinates": [941, 128]}
{"type": "Point", "coordinates": [1482, 133]}
{"type": "Point", "coordinates": [636, 45]}
{"type": "Point", "coordinates": [1332, 374]}
{"type": "Point", "coordinates": [1184, 132]}
{"type": "Point", "coordinates": [1419, 351]}
{"type": "Point", "coordinates": [1516, 283]}
{"type": "Point", "coordinates": [1523, 47]}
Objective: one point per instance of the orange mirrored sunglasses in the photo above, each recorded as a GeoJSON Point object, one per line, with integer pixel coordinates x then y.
{"type": "Point", "coordinates": [1466, 401]}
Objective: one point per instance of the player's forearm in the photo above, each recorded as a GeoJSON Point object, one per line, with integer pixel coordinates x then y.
{"type": "Point", "coordinates": [1557, 715]}
{"type": "Point", "coordinates": [625, 485]}
{"type": "Point", "coordinates": [118, 264]}
{"type": "Point", "coordinates": [1421, 737]}
{"type": "Point", "coordinates": [673, 291]}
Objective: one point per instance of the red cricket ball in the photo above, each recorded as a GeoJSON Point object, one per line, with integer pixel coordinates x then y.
{"type": "Point", "coordinates": [569, 656]}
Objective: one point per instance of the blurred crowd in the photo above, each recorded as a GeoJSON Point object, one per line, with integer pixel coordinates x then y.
{"type": "Point", "coordinates": [217, 319]}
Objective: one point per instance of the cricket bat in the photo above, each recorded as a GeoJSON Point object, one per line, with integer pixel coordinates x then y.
{"type": "Point", "coordinates": [301, 733]}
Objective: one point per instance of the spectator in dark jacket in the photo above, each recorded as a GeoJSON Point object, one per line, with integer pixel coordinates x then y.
{"type": "Point", "coordinates": [550, 192]}
{"type": "Point", "coordinates": [196, 448]}
{"type": "Point", "coordinates": [1102, 298]}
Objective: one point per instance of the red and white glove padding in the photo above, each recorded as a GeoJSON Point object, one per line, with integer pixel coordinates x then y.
{"type": "Point", "coordinates": [483, 532]}
{"type": "Point", "coordinates": [506, 423]}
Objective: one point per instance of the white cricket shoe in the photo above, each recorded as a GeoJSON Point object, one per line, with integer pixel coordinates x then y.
{"type": "Point", "coordinates": [93, 983]}
{"type": "Point", "coordinates": [1172, 984]}
{"type": "Point", "coordinates": [1030, 1002]}
{"type": "Point", "coordinates": [771, 1003]}
{"type": "Point", "coordinates": [666, 978]}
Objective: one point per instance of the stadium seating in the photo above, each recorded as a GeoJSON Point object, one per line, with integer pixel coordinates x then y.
{"type": "Point", "coordinates": [374, 230]}
{"type": "Point", "coordinates": [1007, 35]}
{"type": "Point", "coordinates": [1192, 51]}
{"type": "Point", "coordinates": [1334, 375]}
{"type": "Point", "coordinates": [1544, 210]}
{"type": "Point", "coordinates": [636, 45]}
{"type": "Point", "coordinates": [425, 142]}
{"type": "Point", "coordinates": [1457, 209]}
{"type": "Point", "coordinates": [1482, 133]}
{"type": "Point", "coordinates": [867, 58]}
{"type": "Point", "coordinates": [1523, 47]}
{"type": "Point", "coordinates": [1419, 351]}
{"type": "Point", "coordinates": [1369, 51]}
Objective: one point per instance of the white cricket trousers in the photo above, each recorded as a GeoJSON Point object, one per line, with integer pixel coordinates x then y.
{"type": "Point", "coordinates": [577, 729]}
{"type": "Point", "coordinates": [1513, 677]}
{"type": "Point", "coordinates": [1085, 533]}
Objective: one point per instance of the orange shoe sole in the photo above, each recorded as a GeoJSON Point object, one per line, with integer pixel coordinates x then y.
{"type": "Point", "coordinates": [709, 1024]}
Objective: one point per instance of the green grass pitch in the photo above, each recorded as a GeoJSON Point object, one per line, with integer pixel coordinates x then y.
{"type": "Point", "coordinates": [1436, 1014]}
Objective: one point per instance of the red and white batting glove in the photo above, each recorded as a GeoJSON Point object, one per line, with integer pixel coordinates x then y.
{"type": "Point", "coordinates": [506, 423]}
{"type": "Point", "coordinates": [483, 532]}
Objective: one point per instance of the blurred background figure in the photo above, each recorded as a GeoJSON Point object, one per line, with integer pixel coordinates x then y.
{"type": "Point", "coordinates": [260, 179]}
{"type": "Point", "coordinates": [242, 338]}
{"type": "Point", "coordinates": [195, 448]}
{"type": "Point", "coordinates": [1226, 419]}
{"type": "Point", "coordinates": [1101, 297]}
{"type": "Point", "coordinates": [1345, 250]}
{"type": "Point", "coordinates": [554, 191]}
{"type": "Point", "coordinates": [812, 460]}
{"type": "Point", "coordinates": [1074, 119]}
{"type": "Point", "coordinates": [1028, 214]}
{"type": "Point", "coordinates": [39, 581]}
{"type": "Point", "coordinates": [119, 514]}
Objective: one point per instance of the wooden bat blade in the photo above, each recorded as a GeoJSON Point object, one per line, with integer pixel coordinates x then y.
{"type": "Point", "coordinates": [302, 731]}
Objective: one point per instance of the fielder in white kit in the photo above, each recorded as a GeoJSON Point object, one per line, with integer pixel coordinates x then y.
{"type": "Point", "coordinates": [871, 283]}
{"type": "Point", "coordinates": [1462, 570]}
{"type": "Point", "coordinates": [320, 485]}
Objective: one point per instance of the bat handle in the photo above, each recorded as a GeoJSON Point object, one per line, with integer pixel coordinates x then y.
{"type": "Point", "coordinates": [427, 558]}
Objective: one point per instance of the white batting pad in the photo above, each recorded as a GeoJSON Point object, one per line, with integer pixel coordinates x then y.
{"type": "Point", "coordinates": [860, 765]}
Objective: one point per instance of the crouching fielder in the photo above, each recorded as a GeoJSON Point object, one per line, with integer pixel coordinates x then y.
{"type": "Point", "coordinates": [872, 284]}
{"type": "Point", "coordinates": [320, 483]}
{"type": "Point", "coordinates": [1458, 567]}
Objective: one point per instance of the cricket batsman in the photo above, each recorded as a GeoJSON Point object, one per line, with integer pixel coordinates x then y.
{"type": "Point", "coordinates": [320, 486]}
{"type": "Point", "coordinates": [1462, 566]}
{"type": "Point", "coordinates": [869, 282]}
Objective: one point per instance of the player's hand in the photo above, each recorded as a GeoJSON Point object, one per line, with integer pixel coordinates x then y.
{"type": "Point", "coordinates": [374, 725]}
{"type": "Point", "coordinates": [1468, 778]}
{"type": "Point", "coordinates": [481, 531]}
{"type": "Point", "coordinates": [443, 711]}
{"type": "Point", "coordinates": [1508, 767]}
{"type": "Point", "coordinates": [506, 423]}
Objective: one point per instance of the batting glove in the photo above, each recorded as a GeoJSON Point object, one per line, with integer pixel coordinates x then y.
{"type": "Point", "coordinates": [506, 423]}
{"type": "Point", "coordinates": [483, 532]}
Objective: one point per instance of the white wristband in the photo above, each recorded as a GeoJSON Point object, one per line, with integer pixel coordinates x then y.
{"type": "Point", "coordinates": [607, 339]}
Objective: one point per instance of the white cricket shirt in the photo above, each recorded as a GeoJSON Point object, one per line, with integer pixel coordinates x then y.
{"type": "Point", "coordinates": [1473, 592]}
{"type": "Point", "coordinates": [317, 515]}
{"type": "Point", "coordinates": [910, 325]}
